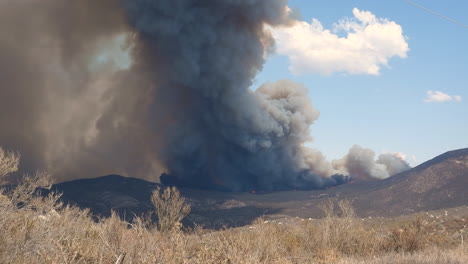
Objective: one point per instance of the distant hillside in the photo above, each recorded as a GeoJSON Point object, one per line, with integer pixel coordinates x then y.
{"type": "Point", "coordinates": [131, 197]}
{"type": "Point", "coordinates": [441, 182]}
{"type": "Point", "coordinates": [104, 194]}
{"type": "Point", "coordinates": [436, 184]}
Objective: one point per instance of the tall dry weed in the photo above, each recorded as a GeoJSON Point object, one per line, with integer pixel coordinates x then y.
{"type": "Point", "coordinates": [9, 162]}
{"type": "Point", "coordinates": [170, 208]}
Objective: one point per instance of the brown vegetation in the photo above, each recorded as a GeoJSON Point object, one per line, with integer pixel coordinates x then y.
{"type": "Point", "coordinates": [38, 229]}
{"type": "Point", "coordinates": [9, 162]}
{"type": "Point", "coordinates": [170, 208]}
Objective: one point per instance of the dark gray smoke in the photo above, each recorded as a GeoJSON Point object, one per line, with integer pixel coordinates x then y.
{"type": "Point", "coordinates": [183, 106]}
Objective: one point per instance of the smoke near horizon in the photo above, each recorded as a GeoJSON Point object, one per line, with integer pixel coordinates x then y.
{"type": "Point", "coordinates": [182, 106]}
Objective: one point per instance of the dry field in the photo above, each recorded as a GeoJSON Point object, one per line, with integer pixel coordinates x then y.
{"type": "Point", "coordinates": [37, 229]}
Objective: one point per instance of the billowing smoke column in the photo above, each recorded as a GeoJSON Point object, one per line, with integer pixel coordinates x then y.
{"type": "Point", "coordinates": [224, 135]}
{"type": "Point", "coordinates": [183, 106]}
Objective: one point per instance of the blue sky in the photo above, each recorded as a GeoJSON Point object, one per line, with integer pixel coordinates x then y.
{"type": "Point", "coordinates": [387, 112]}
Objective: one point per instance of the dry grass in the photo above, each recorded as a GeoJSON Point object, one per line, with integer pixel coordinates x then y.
{"type": "Point", "coordinates": [46, 232]}
{"type": "Point", "coordinates": [38, 229]}
{"type": "Point", "coordinates": [410, 237]}
{"type": "Point", "coordinates": [427, 256]}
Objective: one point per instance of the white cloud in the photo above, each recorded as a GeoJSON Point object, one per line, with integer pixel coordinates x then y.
{"type": "Point", "coordinates": [440, 97]}
{"type": "Point", "coordinates": [369, 43]}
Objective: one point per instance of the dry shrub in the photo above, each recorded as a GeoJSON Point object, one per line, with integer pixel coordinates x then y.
{"type": "Point", "coordinates": [342, 233]}
{"type": "Point", "coordinates": [170, 208]}
{"type": "Point", "coordinates": [9, 162]}
{"type": "Point", "coordinates": [411, 237]}
{"type": "Point", "coordinates": [29, 192]}
{"type": "Point", "coordinates": [40, 230]}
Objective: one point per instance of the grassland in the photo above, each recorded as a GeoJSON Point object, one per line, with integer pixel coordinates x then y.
{"type": "Point", "coordinates": [38, 229]}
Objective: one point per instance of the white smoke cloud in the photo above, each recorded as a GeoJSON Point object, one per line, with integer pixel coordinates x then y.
{"type": "Point", "coordinates": [360, 163]}
{"type": "Point", "coordinates": [440, 97]}
{"type": "Point", "coordinates": [394, 162]}
{"type": "Point", "coordinates": [369, 43]}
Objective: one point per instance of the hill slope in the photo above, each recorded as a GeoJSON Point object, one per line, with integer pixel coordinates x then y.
{"type": "Point", "coordinates": [436, 184]}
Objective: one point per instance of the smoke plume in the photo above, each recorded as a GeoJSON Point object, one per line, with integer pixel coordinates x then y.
{"type": "Point", "coordinates": [360, 163]}
{"type": "Point", "coordinates": [181, 104]}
